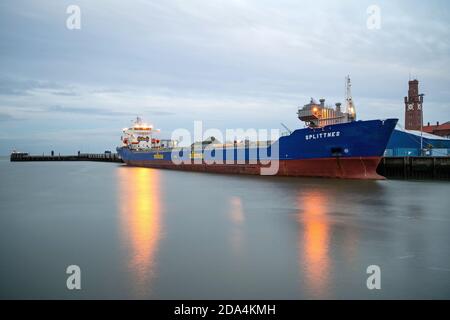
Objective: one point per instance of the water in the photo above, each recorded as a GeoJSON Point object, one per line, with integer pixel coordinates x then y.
{"type": "Point", "coordinates": [159, 234]}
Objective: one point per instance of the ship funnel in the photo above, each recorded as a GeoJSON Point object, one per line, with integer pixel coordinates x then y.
{"type": "Point", "coordinates": [322, 102]}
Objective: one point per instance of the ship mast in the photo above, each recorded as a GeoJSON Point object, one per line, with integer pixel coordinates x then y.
{"type": "Point", "coordinates": [350, 106]}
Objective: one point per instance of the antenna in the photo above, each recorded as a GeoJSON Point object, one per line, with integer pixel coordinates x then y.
{"type": "Point", "coordinates": [348, 91]}
{"type": "Point", "coordinates": [289, 130]}
{"type": "Point", "coordinates": [350, 106]}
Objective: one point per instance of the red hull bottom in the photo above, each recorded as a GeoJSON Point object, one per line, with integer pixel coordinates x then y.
{"type": "Point", "coordinates": [347, 168]}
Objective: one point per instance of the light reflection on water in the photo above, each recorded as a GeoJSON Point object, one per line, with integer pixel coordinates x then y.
{"type": "Point", "coordinates": [140, 222]}
{"type": "Point", "coordinates": [237, 218]}
{"type": "Point", "coordinates": [314, 240]}
{"type": "Point", "coordinates": [144, 233]}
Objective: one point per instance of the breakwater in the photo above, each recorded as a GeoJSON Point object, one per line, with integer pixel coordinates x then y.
{"type": "Point", "coordinates": [103, 157]}
{"type": "Point", "coordinates": [419, 168]}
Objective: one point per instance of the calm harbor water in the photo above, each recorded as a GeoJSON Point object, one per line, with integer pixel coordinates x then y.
{"type": "Point", "coordinates": [159, 234]}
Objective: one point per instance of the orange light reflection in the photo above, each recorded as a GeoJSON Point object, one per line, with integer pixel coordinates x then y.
{"type": "Point", "coordinates": [140, 215]}
{"type": "Point", "coordinates": [314, 242]}
{"type": "Point", "coordinates": [237, 218]}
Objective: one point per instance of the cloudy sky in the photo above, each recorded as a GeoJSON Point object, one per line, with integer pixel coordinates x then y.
{"type": "Point", "coordinates": [231, 63]}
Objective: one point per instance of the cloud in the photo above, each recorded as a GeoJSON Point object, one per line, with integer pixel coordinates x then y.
{"type": "Point", "coordinates": [66, 93]}
{"type": "Point", "coordinates": [23, 87]}
{"type": "Point", "coordinates": [99, 111]}
{"type": "Point", "coordinates": [9, 86]}
{"type": "Point", "coordinates": [246, 63]}
{"type": "Point", "coordinates": [84, 111]}
{"type": "Point", "coordinates": [6, 117]}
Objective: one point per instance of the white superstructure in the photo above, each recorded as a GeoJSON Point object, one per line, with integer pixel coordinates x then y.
{"type": "Point", "coordinates": [319, 115]}
{"type": "Point", "coordinates": [140, 136]}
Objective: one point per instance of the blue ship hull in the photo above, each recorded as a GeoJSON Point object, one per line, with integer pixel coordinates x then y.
{"type": "Point", "coordinates": [347, 150]}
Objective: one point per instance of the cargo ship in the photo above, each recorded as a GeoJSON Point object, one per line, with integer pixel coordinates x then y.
{"type": "Point", "coordinates": [332, 144]}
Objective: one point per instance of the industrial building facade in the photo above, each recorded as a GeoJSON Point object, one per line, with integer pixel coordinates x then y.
{"type": "Point", "coordinates": [405, 143]}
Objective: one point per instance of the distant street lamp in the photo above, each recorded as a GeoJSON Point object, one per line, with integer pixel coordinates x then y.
{"type": "Point", "coordinates": [421, 123]}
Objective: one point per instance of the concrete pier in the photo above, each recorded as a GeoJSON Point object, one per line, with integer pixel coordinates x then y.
{"type": "Point", "coordinates": [103, 157]}
{"type": "Point", "coordinates": [419, 168]}
{"type": "Point", "coordinates": [416, 168]}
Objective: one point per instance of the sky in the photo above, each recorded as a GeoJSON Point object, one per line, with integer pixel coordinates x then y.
{"type": "Point", "coordinates": [231, 64]}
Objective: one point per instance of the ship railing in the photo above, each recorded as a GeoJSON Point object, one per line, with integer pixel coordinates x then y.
{"type": "Point", "coordinates": [99, 156]}
{"type": "Point", "coordinates": [306, 113]}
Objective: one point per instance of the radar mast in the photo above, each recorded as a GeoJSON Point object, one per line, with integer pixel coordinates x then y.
{"type": "Point", "coordinates": [350, 106]}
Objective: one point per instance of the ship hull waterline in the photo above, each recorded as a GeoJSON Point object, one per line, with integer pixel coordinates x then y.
{"type": "Point", "coordinates": [345, 168]}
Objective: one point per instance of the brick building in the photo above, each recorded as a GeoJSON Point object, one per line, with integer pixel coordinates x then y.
{"type": "Point", "coordinates": [413, 107]}
{"type": "Point", "coordinates": [442, 130]}
{"type": "Point", "coordinates": [414, 113]}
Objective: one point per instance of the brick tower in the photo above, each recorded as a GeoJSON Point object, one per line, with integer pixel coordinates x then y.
{"type": "Point", "coordinates": [413, 107]}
